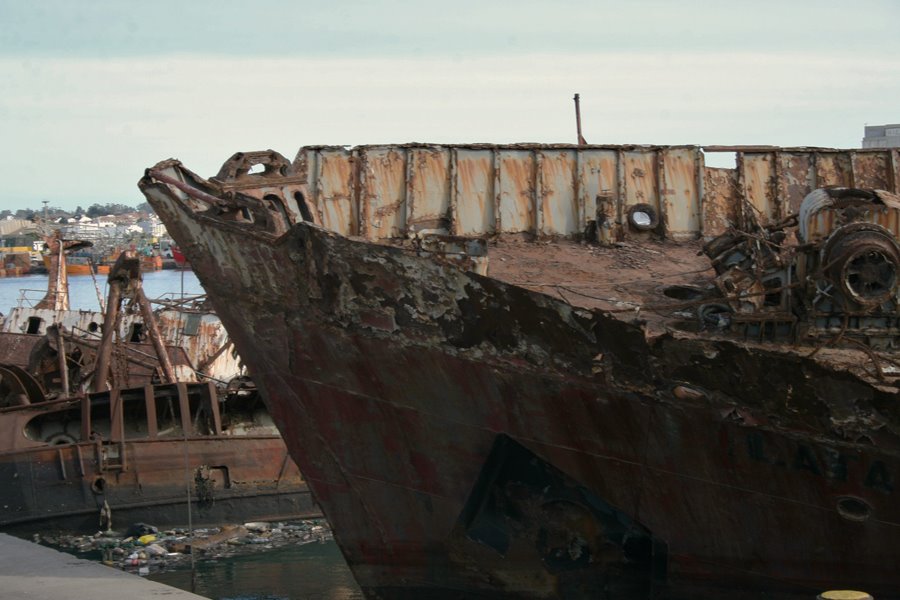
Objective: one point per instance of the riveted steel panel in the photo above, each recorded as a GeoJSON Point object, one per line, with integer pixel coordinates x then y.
{"type": "Point", "coordinates": [474, 192]}
{"type": "Point", "coordinates": [640, 172]}
{"type": "Point", "coordinates": [895, 171]}
{"type": "Point", "coordinates": [757, 175]}
{"type": "Point", "coordinates": [824, 222]}
{"type": "Point", "coordinates": [559, 207]}
{"type": "Point", "coordinates": [833, 168]}
{"type": "Point", "coordinates": [872, 170]}
{"type": "Point", "coordinates": [383, 192]}
{"type": "Point", "coordinates": [796, 179]}
{"type": "Point", "coordinates": [334, 192]}
{"type": "Point", "coordinates": [515, 193]}
{"type": "Point", "coordinates": [681, 198]}
{"type": "Point", "coordinates": [720, 201]}
{"type": "Point", "coordinates": [428, 188]}
{"type": "Point", "coordinates": [598, 185]}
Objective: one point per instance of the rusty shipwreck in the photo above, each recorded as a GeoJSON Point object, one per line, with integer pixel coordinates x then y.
{"type": "Point", "coordinates": [141, 412]}
{"type": "Point", "coordinates": [555, 371]}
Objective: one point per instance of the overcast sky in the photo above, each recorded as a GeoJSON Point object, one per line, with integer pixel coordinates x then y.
{"type": "Point", "coordinates": [94, 92]}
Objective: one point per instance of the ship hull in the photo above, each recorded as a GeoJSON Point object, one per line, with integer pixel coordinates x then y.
{"type": "Point", "coordinates": [62, 488]}
{"type": "Point", "coordinates": [168, 454]}
{"type": "Point", "coordinates": [467, 437]}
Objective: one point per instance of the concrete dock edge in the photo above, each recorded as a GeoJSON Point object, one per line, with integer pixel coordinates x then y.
{"type": "Point", "coordinates": [35, 572]}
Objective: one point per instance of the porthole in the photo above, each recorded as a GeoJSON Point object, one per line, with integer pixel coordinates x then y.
{"type": "Point", "coordinates": [853, 509]}
{"type": "Point", "coordinates": [98, 486]}
{"type": "Point", "coordinates": [643, 217]}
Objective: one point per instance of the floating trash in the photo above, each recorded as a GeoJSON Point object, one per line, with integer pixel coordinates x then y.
{"type": "Point", "coordinates": [143, 549]}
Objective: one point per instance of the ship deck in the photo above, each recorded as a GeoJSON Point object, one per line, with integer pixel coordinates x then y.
{"type": "Point", "coordinates": [628, 280]}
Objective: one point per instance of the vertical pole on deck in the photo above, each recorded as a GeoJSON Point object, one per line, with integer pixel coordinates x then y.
{"type": "Point", "coordinates": [581, 140]}
{"type": "Point", "coordinates": [63, 363]}
{"type": "Point", "coordinates": [104, 351]}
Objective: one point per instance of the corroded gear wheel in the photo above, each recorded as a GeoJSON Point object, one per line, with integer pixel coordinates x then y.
{"type": "Point", "coordinates": [865, 265]}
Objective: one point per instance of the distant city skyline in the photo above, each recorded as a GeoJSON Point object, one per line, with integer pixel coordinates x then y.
{"type": "Point", "coordinates": [94, 92]}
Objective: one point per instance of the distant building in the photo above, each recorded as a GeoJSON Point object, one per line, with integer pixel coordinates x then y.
{"type": "Point", "coordinates": [15, 227]}
{"type": "Point", "coordinates": [882, 136]}
{"type": "Point", "coordinates": [152, 226]}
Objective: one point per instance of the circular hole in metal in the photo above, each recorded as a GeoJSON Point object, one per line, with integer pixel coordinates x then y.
{"type": "Point", "coordinates": [93, 327]}
{"type": "Point", "coordinates": [853, 509]}
{"type": "Point", "coordinates": [641, 219]}
{"type": "Point", "coordinates": [98, 486]}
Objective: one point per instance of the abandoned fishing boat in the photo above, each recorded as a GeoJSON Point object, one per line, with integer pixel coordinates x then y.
{"type": "Point", "coordinates": [555, 371]}
{"type": "Point", "coordinates": [122, 416]}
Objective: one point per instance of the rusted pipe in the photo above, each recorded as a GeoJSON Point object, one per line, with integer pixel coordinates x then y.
{"type": "Point", "coordinates": [127, 350]}
{"type": "Point", "coordinates": [63, 363]}
{"type": "Point", "coordinates": [187, 189]}
{"type": "Point", "coordinates": [581, 140]}
{"type": "Point", "coordinates": [101, 372]}
{"type": "Point", "coordinates": [155, 337]}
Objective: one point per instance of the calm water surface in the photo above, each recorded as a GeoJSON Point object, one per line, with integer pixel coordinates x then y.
{"type": "Point", "coordinates": [315, 571]}
{"type": "Point", "coordinates": [83, 293]}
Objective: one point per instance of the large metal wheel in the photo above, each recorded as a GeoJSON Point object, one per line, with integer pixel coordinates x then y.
{"type": "Point", "coordinates": [864, 263]}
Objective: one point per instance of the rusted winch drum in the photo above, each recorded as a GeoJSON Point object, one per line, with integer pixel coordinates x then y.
{"type": "Point", "coordinates": [856, 233]}
{"type": "Point", "coordinates": [863, 261]}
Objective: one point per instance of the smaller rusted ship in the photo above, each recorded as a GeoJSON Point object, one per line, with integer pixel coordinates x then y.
{"type": "Point", "coordinates": [556, 371]}
{"type": "Point", "coordinates": [133, 414]}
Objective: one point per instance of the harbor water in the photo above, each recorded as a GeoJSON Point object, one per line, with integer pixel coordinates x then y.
{"type": "Point", "coordinates": [315, 571]}
{"type": "Point", "coordinates": [83, 289]}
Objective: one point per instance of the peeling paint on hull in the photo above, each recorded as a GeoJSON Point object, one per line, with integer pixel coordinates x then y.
{"type": "Point", "coordinates": [469, 437]}
{"type": "Point", "coordinates": [138, 462]}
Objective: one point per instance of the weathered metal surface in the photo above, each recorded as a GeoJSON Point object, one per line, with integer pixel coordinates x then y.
{"type": "Point", "coordinates": [334, 194]}
{"type": "Point", "coordinates": [826, 217]}
{"type": "Point", "coordinates": [872, 170]}
{"type": "Point", "coordinates": [57, 297]}
{"type": "Point", "coordinates": [507, 435]}
{"type": "Point", "coordinates": [600, 194]}
{"type": "Point", "coordinates": [69, 457]}
{"type": "Point", "coordinates": [558, 207]}
{"type": "Point", "coordinates": [384, 192]}
{"type": "Point", "coordinates": [680, 193]}
{"type": "Point", "coordinates": [428, 190]}
{"type": "Point", "coordinates": [832, 271]}
{"type": "Point", "coordinates": [640, 177]}
{"type": "Point", "coordinates": [515, 191]}
{"type": "Point", "coordinates": [795, 178]}
{"type": "Point", "coordinates": [17, 347]}
{"type": "Point", "coordinates": [195, 340]}
{"type": "Point", "coordinates": [756, 177]}
{"type": "Point", "coordinates": [473, 193]}
{"type": "Point", "coordinates": [67, 454]}
{"type": "Point", "coordinates": [552, 190]}
{"type": "Point", "coordinates": [833, 169]}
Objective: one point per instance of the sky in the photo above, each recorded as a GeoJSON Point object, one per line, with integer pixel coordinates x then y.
{"type": "Point", "coordinates": [94, 92]}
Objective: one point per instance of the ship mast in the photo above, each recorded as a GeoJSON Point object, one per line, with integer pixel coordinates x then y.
{"type": "Point", "coordinates": [57, 297]}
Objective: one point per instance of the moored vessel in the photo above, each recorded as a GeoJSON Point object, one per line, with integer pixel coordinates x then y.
{"type": "Point", "coordinates": [133, 414]}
